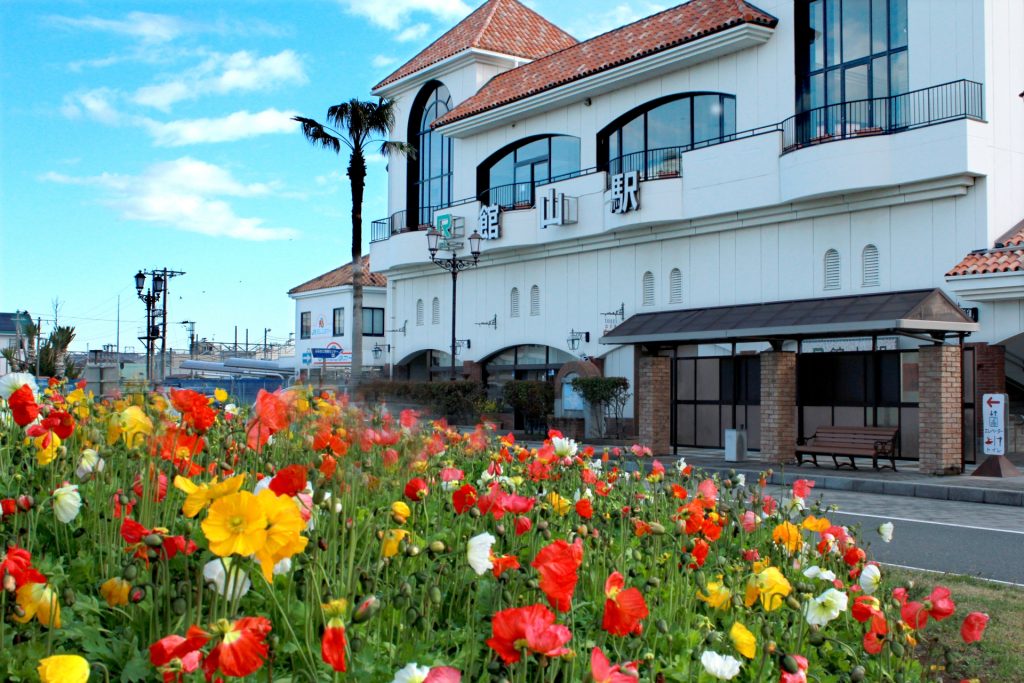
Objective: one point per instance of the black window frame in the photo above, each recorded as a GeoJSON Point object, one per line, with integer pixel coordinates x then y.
{"type": "Point", "coordinates": [305, 325]}
{"type": "Point", "coordinates": [376, 326]}
{"type": "Point", "coordinates": [426, 108]}
{"type": "Point", "coordinates": [335, 320]}
{"type": "Point", "coordinates": [509, 195]}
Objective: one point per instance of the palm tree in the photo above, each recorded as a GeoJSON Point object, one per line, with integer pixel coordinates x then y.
{"type": "Point", "coordinates": [357, 125]}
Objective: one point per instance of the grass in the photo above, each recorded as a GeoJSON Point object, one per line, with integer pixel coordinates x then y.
{"type": "Point", "coordinates": [999, 657]}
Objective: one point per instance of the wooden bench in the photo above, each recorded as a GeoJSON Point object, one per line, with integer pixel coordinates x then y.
{"type": "Point", "coordinates": [850, 442]}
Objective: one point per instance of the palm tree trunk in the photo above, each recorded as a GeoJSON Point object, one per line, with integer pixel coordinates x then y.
{"type": "Point", "coordinates": [357, 177]}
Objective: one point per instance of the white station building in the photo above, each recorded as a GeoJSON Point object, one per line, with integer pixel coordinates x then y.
{"type": "Point", "coordinates": [776, 217]}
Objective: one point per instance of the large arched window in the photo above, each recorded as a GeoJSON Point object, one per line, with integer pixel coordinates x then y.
{"type": "Point", "coordinates": [430, 171]}
{"type": "Point", "coordinates": [651, 138]}
{"type": "Point", "coordinates": [508, 177]}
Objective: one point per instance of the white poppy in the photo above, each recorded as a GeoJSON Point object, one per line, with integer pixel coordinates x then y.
{"type": "Point", "coordinates": [885, 531]}
{"type": "Point", "coordinates": [13, 381]}
{"type": "Point", "coordinates": [90, 462]}
{"type": "Point", "coordinates": [680, 465]}
{"type": "Point", "coordinates": [216, 572]}
{"type": "Point", "coordinates": [411, 673]}
{"type": "Point", "coordinates": [479, 553]}
{"type": "Point", "coordinates": [564, 448]}
{"type": "Point", "coordinates": [870, 579]}
{"type": "Point", "coordinates": [740, 479]}
{"type": "Point", "coordinates": [722, 667]}
{"type": "Point", "coordinates": [826, 607]}
{"type": "Point", "coordinates": [67, 501]}
{"type": "Point", "coordinates": [817, 572]}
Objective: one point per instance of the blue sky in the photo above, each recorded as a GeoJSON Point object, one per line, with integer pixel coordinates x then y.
{"type": "Point", "coordinates": [152, 134]}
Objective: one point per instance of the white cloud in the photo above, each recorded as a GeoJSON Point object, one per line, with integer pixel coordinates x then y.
{"type": "Point", "coordinates": [394, 14]}
{"type": "Point", "coordinates": [591, 25]}
{"type": "Point", "coordinates": [382, 61]}
{"type": "Point", "coordinates": [414, 32]}
{"type": "Point", "coordinates": [184, 194]}
{"type": "Point", "coordinates": [143, 26]}
{"type": "Point", "coordinates": [96, 104]}
{"type": "Point", "coordinates": [220, 74]}
{"type": "Point", "coordinates": [236, 126]}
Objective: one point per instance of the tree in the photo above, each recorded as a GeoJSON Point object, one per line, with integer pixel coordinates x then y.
{"type": "Point", "coordinates": [605, 394]}
{"type": "Point", "coordinates": [54, 360]}
{"type": "Point", "coordinates": [357, 125]}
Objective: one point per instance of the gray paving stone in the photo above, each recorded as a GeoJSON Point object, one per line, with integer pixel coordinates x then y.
{"type": "Point", "coordinates": [932, 491]}
{"type": "Point", "coordinates": [898, 488]}
{"type": "Point", "coordinates": [839, 483]}
{"type": "Point", "coordinates": [966, 495]}
{"type": "Point", "coordinates": [869, 485]}
{"type": "Point", "coordinates": [1000, 497]}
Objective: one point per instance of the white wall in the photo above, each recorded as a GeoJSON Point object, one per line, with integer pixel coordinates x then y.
{"type": "Point", "coordinates": [323, 303]}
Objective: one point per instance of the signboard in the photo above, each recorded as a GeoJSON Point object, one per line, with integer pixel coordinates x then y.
{"type": "Point", "coordinates": [489, 223]}
{"type": "Point", "coordinates": [993, 410]}
{"type": "Point", "coordinates": [848, 345]}
{"type": "Point", "coordinates": [320, 328]}
{"type": "Point", "coordinates": [450, 225]}
{"type": "Point", "coordinates": [307, 358]}
{"type": "Point", "coordinates": [625, 192]}
{"type": "Point", "coordinates": [327, 352]}
{"type": "Point", "coordinates": [557, 209]}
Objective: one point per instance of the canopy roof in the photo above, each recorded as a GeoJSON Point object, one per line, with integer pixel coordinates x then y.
{"type": "Point", "coordinates": [921, 311]}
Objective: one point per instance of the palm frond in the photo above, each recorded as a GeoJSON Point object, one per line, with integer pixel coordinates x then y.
{"type": "Point", "coordinates": [316, 134]}
{"type": "Point", "coordinates": [390, 148]}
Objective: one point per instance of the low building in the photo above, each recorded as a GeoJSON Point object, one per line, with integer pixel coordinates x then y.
{"type": "Point", "coordinates": [323, 324]}
{"type": "Point", "coordinates": [12, 336]}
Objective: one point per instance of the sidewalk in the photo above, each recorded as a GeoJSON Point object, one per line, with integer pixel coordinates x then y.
{"type": "Point", "coordinates": [908, 481]}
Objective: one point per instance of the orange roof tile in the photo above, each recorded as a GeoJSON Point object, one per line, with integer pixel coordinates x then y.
{"type": "Point", "coordinates": [503, 26]}
{"type": "Point", "coordinates": [681, 24]}
{"type": "Point", "coordinates": [342, 276]}
{"type": "Point", "coordinates": [1007, 255]}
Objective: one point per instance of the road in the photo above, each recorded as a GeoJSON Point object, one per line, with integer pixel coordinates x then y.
{"type": "Point", "coordinates": [985, 541]}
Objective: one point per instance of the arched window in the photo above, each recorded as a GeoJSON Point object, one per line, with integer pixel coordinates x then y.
{"type": "Point", "coordinates": [435, 312]}
{"type": "Point", "coordinates": [535, 300]}
{"type": "Point", "coordinates": [833, 276]}
{"type": "Point", "coordinates": [514, 302]}
{"type": "Point", "coordinates": [652, 137]}
{"type": "Point", "coordinates": [429, 183]}
{"type": "Point", "coordinates": [869, 266]}
{"type": "Point", "coordinates": [419, 311]}
{"type": "Point", "coordinates": [675, 286]}
{"type": "Point", "coordinates": [648, 288]}
{"type": "Point", "coordinates": [508, 177]}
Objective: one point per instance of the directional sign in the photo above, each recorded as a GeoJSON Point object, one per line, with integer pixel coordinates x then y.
{"type": "Point", "coordinates": [993, 410]}
{"type": "Point", "coordinates": [327, 352]}
{"type": "Point", "coordinates": [307, 358]}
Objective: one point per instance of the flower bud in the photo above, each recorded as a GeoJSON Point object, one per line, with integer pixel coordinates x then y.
{"type": "Point", "coordinates": [137, 594]}
{"type": "Point", "coordinates": [25, 502]}
{"type": "Point", "coordinates": [366, 609]}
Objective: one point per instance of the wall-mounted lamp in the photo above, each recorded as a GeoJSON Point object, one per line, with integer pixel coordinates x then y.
{"type": "Point", "coordinates": [573, 340]}
{"type": "Point", "coordinates": [459, 343]}
{"type": "Point", "coordinates": [379, 350]}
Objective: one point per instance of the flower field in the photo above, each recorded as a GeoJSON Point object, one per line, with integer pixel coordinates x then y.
{"type": "Point", "coordinates": [182, 538]}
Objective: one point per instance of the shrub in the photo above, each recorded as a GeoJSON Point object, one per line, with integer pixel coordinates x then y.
{"type": "Point", "coordinates": [605, 394]}
{"type": "Point", "coordinates": [533, 399]}
{"type": "Point", "coordinates": [456, 401]}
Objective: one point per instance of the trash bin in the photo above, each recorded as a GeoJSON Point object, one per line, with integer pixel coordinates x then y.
{"type": "Point", "coordinates": [735, 445]}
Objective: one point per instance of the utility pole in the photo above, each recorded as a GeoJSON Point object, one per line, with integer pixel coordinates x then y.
{"type": "Point", "coordinates": [39, 333]}
{"type": "Point", "coordinates": [118, 336]}
{"type": "Point", "coordinates": [168, 274]}
{"type": "Point", "coordinates": [265, 330]}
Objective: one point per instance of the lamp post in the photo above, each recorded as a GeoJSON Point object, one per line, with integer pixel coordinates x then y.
{"type": "Point", "coordinates": [453, 264]}
{"type": "Point", "coordinates": [150, 297]}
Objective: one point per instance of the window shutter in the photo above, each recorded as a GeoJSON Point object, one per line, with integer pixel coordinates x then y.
{"type": "Point", "coordinates": [675, 286]}
{"type": "Point", "coordinates": [648, 289]}
{"type": "Point", "coordinates": [419, 311]}
{"type": "Point", "coordinates": [832, 273]}
{"type": "Point", "coordinates": [435, 316]}
{"type": "Point", "coordinates": [514, 303]}
{"type": "Point", "coordinates": [869, 264]}
{"type": "Point", "coordinates": [535, 300]}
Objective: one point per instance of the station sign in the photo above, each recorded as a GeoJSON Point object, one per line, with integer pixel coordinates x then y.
{"type": "Point", "coordinates": [626, 192]}
{"type": "Point", "coordinates": [993, 410]}
{"type": "Point", "coordinates": [329, 352]}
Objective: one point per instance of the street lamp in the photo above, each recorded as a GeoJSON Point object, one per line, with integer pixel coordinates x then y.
{"type": "Point", "coordinates": [453, 265]}
{"type": "Point", "coordinates": [378, 350]}
{"type": "Point", "coordinates": [150, 298]}
{"type": "Point", "coordinates": [573, 340]}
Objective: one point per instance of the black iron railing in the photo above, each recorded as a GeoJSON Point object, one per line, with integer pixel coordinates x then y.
{"type": "Point", "coordinates": [651, 164]}
{"type": "Point", "coordinates": [884, 115]}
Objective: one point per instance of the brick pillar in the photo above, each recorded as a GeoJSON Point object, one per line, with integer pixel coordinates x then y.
{"type": "Point", "coordinates": [941, 410]}
{"type": "Point", "coordinates": [989, 375]}
{"type": "Point", "coordinates": [472, 371]}
{"type": "Point", "coordinates": [654, 400]}
{"type": "Point", "coordinates": [778, 406]}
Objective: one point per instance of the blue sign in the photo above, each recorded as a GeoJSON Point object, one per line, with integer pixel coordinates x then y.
{"type": "Point", "coordinates": [328, 352]}
{"type": "Point", "coordinates": [307, 358]}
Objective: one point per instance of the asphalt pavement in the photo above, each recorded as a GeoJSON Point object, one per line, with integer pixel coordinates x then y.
{"type": "Point", "coordinates": [984, 541]}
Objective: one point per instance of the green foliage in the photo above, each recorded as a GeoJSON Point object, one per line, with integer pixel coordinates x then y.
{"type": "Point", "coordinates": [53, 354]}
{"type": "Point", "coordinates": [457, 400]}
{"type": "Point", "coordinates": [533, 399]}
{"type": "Point", "coordinates": [607, 394]}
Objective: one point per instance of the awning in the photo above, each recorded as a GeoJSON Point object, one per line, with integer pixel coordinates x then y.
{"type": "Point", "coordinates": [923, 311]}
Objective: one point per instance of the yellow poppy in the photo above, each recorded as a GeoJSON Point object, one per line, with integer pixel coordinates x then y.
{"type": "Point", "coordinates": [115, 591]}
{"type": "Point", "coordinates": [38, 600]}
{"type": "Point", "coordinates": [284, 524]}
{"type": "Point", "coordinates": [718, 596]}
{"type": "Point", "coordinates": [743, 640]}
{"type": "Point", "coordinates": [47, 447]}
{"type": "Point", "coordinates": [236, 524]}
{"type": "Point", "coordinates": [770, 586]}
{"type": "Point", "coordinates": [135, 423]}
{"type": "Point", "coordinates": [392, 539]}
{"type": "Point", "coordinates": [788, 535]}
{"type": "Point", "coordinates": [400, 511]}
{"type": "Point", "coordinates": [198, 496]}
{"type": "Point", "coordinates": [559, 504]}
{"type": "Point", "coordinates": [818, 524]}
{"type": "Point", "coordinates": [63, 669]}
{"type": "Point", "coordinates": [220, 395]}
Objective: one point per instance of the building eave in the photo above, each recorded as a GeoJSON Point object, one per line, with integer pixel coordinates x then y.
{"type": "Point", "coordinates": [985, 287]}
{"type": "Point", "coordinates": [447, 66]}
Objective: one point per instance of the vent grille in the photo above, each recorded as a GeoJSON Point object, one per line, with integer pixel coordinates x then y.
{"type": "Point", "coordinates": [675, 286]}
{"type": "Point", "coordinates": [869, 261]}
{"type": "Point", "coordinates": [832, 270]}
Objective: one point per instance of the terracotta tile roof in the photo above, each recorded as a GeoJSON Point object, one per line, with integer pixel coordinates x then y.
{"type": "Point", "coordinates": [342, 276]}
{"type": "Point", "coordinates": [681, 24]}
{"type": "Point", "coordinates": [503, 26]}
{"type": "Point", "coordinates": [1007, 255]}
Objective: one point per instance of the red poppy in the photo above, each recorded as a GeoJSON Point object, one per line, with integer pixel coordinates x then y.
{"type": "Point", "coordinates": [867, 608]}
{"type": "Point", "coordinates": [332, 645]}
{"type": "Point", "coordinates": [973, 627]}
{"type": "Point", "coordinates": [180, 448]}
{"type": "Point", "coordinates": [60, 423]}
{"type": "Point", "coordinates": [464, 498]}
{"type": "Point", "coordinates": [497, 502]}
{"type": "Point", "coordinates": [602, 671]}
{"type": "Point", "coordinates": [800, 676]}
{"type": "Point", "coordinates": [937, 605]}
{"type": "Point", "coordinates": [443, 674]}
{"type": "Point", "coordinates": [416, 489]}
{"type": "Point", "coordinates": [158, 487]}
{"type": "Point", "coordinates": [289, 481]}
{"type": "Point", "coordinates": [174, 656]}
{"type": "Point", "coordinates": [700, 553]}
{"type": "Point", "coordinates": [531, 628]}
{"type": "Point", "coordinates": [194, 408]}
{"type": "Point", "coordinates": [523, 524]}
{"type": "Point", "coordinates": [584, 508]}
{"type": "Point", "coordinates": [408, 418]}
{"type": "Point", "coordinates": [134, 534]}
{"type": "Point", "coordinates": [270, 415]}
{"type": "Point", "coordinates": [558, 564]}
{"type": "Point", "coordinates": [874, 639]}
{"type": "Point", "coordinates": [241, 650]}
{"type": "Point", "coordinates": [24, 408]}
{"type": "Point", "coordinates": [538, 470]}
{"type": "Point", "coordinates": [679, 492]}
{"type": "Point", "coordinates": [802, 487]}
{"type": "Point", "coordinates": [17, 563]}
{"type": "Point", "coordinates": [501, 564]}
{"type": "Point", "coordinates": [768, 504]}
{"type": "Point", "coordinates": [624, 608]}
{"type": "Point", "coordinates": [8, 507]}
{"type": "Point", "coordinates": [602, 488]}
{"type": "Point", "coordinates": [707, 492]}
